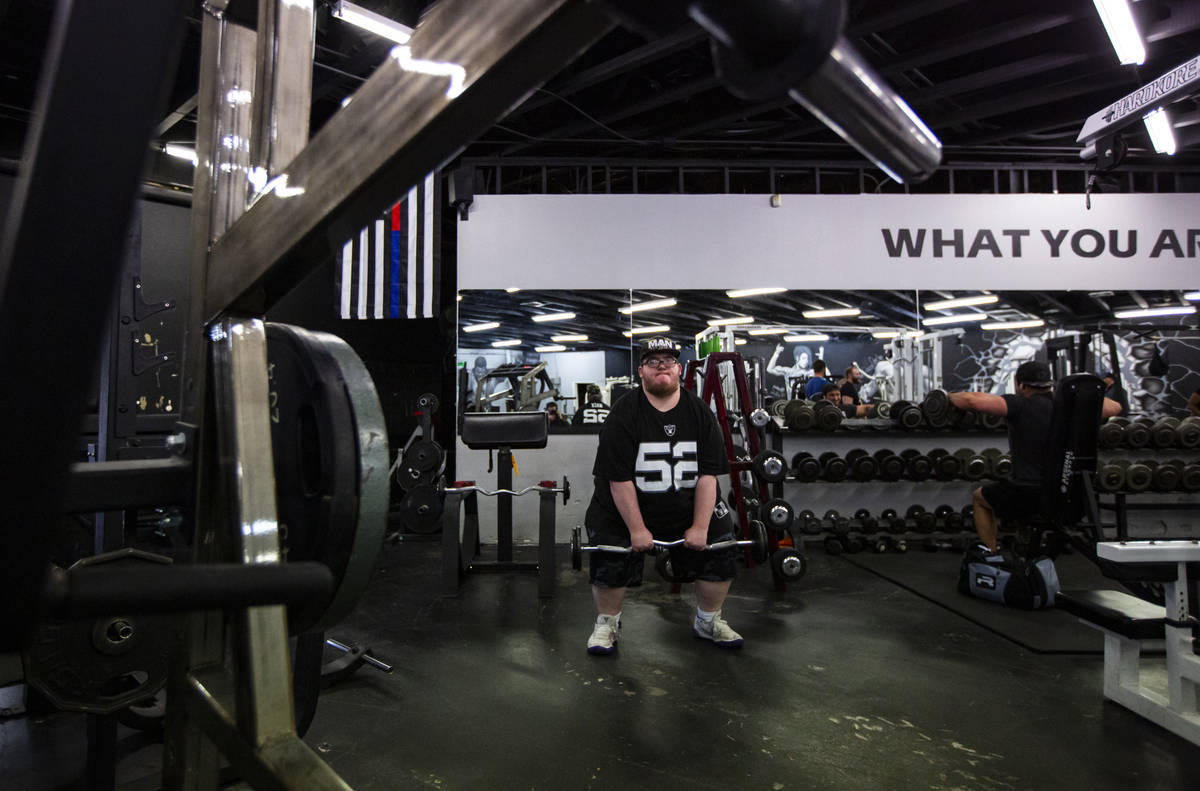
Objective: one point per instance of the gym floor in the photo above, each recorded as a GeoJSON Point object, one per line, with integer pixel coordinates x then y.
{"type": "Point", "coordinates": [846, 681]}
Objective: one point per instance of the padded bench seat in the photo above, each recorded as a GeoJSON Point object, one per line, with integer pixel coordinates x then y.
{"type": "Point", "coordinates": [1115, 611]}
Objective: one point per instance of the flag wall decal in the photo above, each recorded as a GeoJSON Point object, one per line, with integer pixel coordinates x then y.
{"type": "Point", "coordinates": [392, 268]}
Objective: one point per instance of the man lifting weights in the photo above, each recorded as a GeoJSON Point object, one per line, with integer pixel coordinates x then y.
{"type": "Point", "coordinates": [655, 478]}
{"type": "Point", "coordinates": [1027, 414]}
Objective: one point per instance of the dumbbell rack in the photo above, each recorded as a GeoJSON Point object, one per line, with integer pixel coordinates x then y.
{"type": "Point", "coordinates": [849, 495]}
{"type": "Point", "coordinates": [711, 392]}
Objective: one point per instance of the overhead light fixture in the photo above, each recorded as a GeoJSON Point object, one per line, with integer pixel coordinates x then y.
{"type": "Point", "coordinates": [829, 313]}
{"type": "Point", "coordinates": [372, 22]}
{"type": "Point", "coordinates": [567, 338]}
{"type": "Point", "coordinates": [489, 325]}
{"type": "Point", "coordinates": [644, 330]}
{"type": "Point", "coordinates": [544, 317]}
{"type": "Point", "coordinates": [554, 348]}
{"type": "Point", "coordinates": [1170, 310]}
{"type": "Point", "coordinates": [962, 302]}
{"type": "Point", "coordinates": [180, 152]}
{"type": "Point", "coordinates": [458, 298]}
{"type": "Point", "coordinates": [511, 290]}
{"type": "Point", "coordinates": [884, 334]}
{"type": "Point", "coordinates": [740, 341]}
{"type": "Point", "coordinates": [509, 342]}
{"type": "Point", "coordinates": [957, 318]}
{"type": "Point", "coordinates": [1122, 31]}
{"type": "Point", "coordinates": [1192, 295]}
{"type": "Point", "coordinates": [734, 320]}
{"type": "Point", "coordinates": [1162, 136]}
{"type": "Point", "coordinates": [738, 293]}
{"type": "Point", "coordinates": [653, 304]}
{"type": "Point", "coordinates": [914, 333]}
{"type": "Point", "coordinates": [812, 336]}
{"type": "Point", "coordinates": [768, 331]}
{"type": "Point", "coordinates": [1012, 325]}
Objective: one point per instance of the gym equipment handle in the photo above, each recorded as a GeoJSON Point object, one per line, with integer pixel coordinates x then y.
{"type": "Point", "coordinates": [657, 544]}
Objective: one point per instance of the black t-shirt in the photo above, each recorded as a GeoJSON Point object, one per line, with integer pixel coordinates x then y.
{"type": "Point", "coordinates": [1029, 435]}
{"type": "Point", "coordinates": [593, 413]}
{"type": "Point", "coordinates": [663, 453]}
{"type": "Point", "coordinates": [1118, 394]}
{"type": "Point", "coordinates": [850, 390]}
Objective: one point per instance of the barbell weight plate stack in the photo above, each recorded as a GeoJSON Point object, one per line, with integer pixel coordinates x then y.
{"type": "Point", "coordinates": [331, 464]}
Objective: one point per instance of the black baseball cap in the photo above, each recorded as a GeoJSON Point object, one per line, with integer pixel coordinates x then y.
{"type": "Point", "coordinates": [658, 344]}
{"type": "Point", "coordinates": [1034, 374]}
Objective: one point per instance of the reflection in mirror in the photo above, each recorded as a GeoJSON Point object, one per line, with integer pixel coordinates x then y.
{"type": "Point", "coordinates": [902, 343]}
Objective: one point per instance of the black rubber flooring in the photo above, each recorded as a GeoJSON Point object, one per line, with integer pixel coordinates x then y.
{"type": "Point", "coordinates": [846, 681]}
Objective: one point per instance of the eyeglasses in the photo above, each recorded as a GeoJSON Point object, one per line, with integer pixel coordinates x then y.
{"type": "Point", "coordinates": [659, 362]}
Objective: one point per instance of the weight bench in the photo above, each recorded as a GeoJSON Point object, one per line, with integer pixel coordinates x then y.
{"type": "Point", "coordinates": [502, 432]}
{"type": "Point", "coordinates": [1131, 626]}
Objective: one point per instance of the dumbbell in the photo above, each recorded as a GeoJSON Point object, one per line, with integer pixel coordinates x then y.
{"type": "Point", "coordinates": [1110, 477]}
{"type": "Point", "coordinates": [769, 466]}
{"type": "Point", "coordinates": [788, 564]}
{"type": "Point", "coordinates": [967, 512]}
{"type": "Point", "coordinates": [828, 416]}
{"type": "Point", "coordinates": [997, 466]}
{"type": "Point", "coordinates": [1189, 477]}
{"type": "Point", "coordinates": [917, 466]}
{"type": "Point", "coordinates": [963, 419]}
{"type": "Point", "coordinates": [1164, 433]}
{"type": "Point", "coordinates": [925, 521]}
{"type": "Point", "coordinates": [778, 515]}
{"type": "Point", "coordinates": [839, 524]}
{"type": "Point", "coordinates": [880, 544]}
{"type": "Point", "coordinates": [972, 466]}
{"type": "Point", "coordinates": [890, 466]}
{"type": "Point", "coordinates": [833, 545]}
{"type": "Point", "coordinates": [1137, 433]}
{"type": "Point", "coordinates": [798, 415]}
{"type": "Point", "coordinates": [946, 467]}
{"type": "Point", "coordinates": [990, 422]}
{"type": "Point", "coordinates": [869, 524]}
{"type": "Point", "coordinates": [1189, 432]}
{"type": "Point", "coordinates": [892, 521]}
{"type": "Point", "coordinates": [883, 409]}
{"type": "Point", "coordinates": [936, 402]}
{"type": "Point", "coordinates": [863, 466]}
{"type": "Point", "coordinates": [1112, 432]}
{"type": "Point", "coordinates": [907, 414]}
{"type": "Point", "coordinates": [833, 466]}
{"type": "Point", "coordinates": [1163, 477]}
{"type": "Point", "coordinates": [777, 407]}
{"type": "Point", "coordinates": [805, 467]}
{"type": "Point", "coordinates": [1138, 476]}
{"type": "Point", "coordinates": [854, 544]}
{"type": "Point", "coordinates": [950, 517]}
{"type": "Point", "coordinates": [809, 524]}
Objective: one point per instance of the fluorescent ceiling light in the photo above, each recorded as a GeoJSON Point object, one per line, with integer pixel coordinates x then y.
{"type": "Point", "coordinates": [1012, 325]}
{"type": "Point", "coordinates": [555, 348]}
{"type": "Point", "coordinates": [1192, 295]}
{"type": "Point", "coordinates": [567, 338]}
{"type": "Point", "coordinates": [962, 302]}
{"type": "Point", "coordinates": [734, 320]}
{"type": "Point", "coordinates": [769, 331]}
{"type": "Point", "coordinates": [1162, 136]}
{"type": "Point", "coordinates": [512, 290]}
{"type": "Point", "coordinates": [752, 292]}
{"type": "Point", "coordinates": [829, 313]}
{"type": "Point", "coordinates": [490, 325]}
{"type": "Point", "coordinates": [1118, 22]}
{"type": "Point", "coordinates": [372, 22]}
{"type": "Point", "coordinates": [885, 333]}
{"type": "Point", "coordinates": [644, 330]}
{"type": "Point", "coordinates": [812, 336]}
{"type": "Point", "coordinates": [510, 342]}
{"type": "Point", "coordinates": [914, 333]}
{"type": "Point", "coordinates": [740, 341]}
{"type": "Point", "coordinates": [957, 318]}
{"type": "Point", "coordinates": [181, 152]}
{"type": "Point", "coordinates": [653, 304]}
{"type": "Point", "coordinates": [1171, 310]}
{"type": "Point", "coordinates": [544, 317]}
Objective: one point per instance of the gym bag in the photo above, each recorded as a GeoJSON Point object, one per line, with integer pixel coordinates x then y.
{"type": "Point", "coordinates": [1027, 583]}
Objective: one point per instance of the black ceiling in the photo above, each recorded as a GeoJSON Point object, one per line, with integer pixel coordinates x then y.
{"type": "Point", "coordinates": [1009, 81]}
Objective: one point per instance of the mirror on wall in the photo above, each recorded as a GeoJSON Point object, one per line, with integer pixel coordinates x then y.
{"type": "Point", "coordinates": [580, 338]}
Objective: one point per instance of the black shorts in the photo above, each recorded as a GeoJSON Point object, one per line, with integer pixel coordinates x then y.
{"type": "Point", "coordinates": [621, 570]}
{"type": "Point", "coordinates": [1013, 500]}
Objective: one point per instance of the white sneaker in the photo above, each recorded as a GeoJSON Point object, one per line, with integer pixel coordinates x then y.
{"type": "Point", "coordinates": [717, 630]}
{"type": "Point", "coordinates": [604, 636]}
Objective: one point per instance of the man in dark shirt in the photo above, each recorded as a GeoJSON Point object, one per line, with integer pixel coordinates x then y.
{"type": "Point", "coordinates": [656, 469]}
{"type": "Point", "coordinates": [834, 395]}
{"type": "Point", "coordinates": [1027, 414]}
{"type": "Point", "coordinates": [593, 411]}
{"type": "Point", "coordinates": [1114, 391]}
{"type": "Point", "coordinates": [814, 386]}
{"type": "Point", "coordinates": [849, 385]}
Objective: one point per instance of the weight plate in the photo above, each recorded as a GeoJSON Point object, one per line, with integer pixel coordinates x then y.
{"type": "Point", "coordinates": [758, 534]}
{"type": "Point", "coordinates": [778, 513]}
{"type": "Point", "coordinates": [331, 463]}
{"type": "Point", "coordinates": [576, 551]}
{"type": "Point", "coordinates": [788, 564]}
{"type": "Point", "coordinates": [101, 665]}
{"type": "Point", "coordinates": [425, 455]}
{"type": "Point", "coordinates": [770, 466]}
{"type": "Point", "coordinates": [427, 402]}
{"type": "Point", "coordinates": [421, 509]}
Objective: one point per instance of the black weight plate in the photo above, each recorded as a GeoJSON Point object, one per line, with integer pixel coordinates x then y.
{"type": "Point", "coordinates": [331, 463]}
{"type": "Point", "coordinates": [758, 534]}
{"type": "Point", "coordinates": [424, 455]}
{"type": "Point", "coordinates": [427, 402]}
{"type": "Point", "coordinates": [421, 509]}
{"type": "Point", "coordinates": [778, 513]}
{"type": "Point", "coordinates": [576, 550]}
{"type": "Point", "coordinates": [788, 564]}
{"type": "Point", "coordinates": [770, 466]}
{"type": "Point", "coordinates": [409, 477]}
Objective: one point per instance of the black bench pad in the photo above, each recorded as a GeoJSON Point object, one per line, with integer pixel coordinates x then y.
{"type": "Point", "coordinates": [1115, 611]}
{"type": "Point", "coordinates": [485, 430]}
